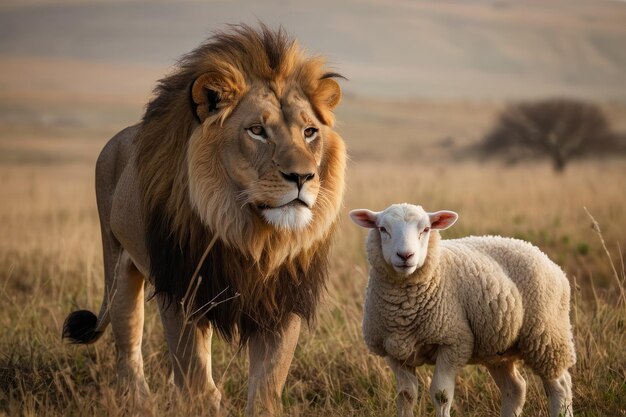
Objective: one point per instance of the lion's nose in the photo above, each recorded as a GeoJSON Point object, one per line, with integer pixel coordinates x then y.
{"type": "Point", "coordinates": [299, 179]}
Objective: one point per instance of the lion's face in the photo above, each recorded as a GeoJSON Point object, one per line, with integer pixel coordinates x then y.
{"type": "Point", "coordinates": [274, 148]}
{"type": "Point", "coordinates": [271, 148]}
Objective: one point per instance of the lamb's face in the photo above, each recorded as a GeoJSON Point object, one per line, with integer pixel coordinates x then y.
{"type": "Point", "coordinates": [404, 233]}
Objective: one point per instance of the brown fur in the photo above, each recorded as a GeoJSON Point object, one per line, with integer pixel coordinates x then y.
{"type": "Point", "coordinates": [254, 274]}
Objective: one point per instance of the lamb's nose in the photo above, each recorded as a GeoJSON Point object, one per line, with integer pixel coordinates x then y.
{"type": "Point", "coordinates": [405, 256]}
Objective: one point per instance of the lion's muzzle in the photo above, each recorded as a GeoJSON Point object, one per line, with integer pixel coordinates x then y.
{"type": "Point", "coordinates": [293, 211]}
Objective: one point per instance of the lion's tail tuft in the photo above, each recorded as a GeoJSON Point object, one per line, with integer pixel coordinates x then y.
{"type": "Point", "coordinates": [80, 327]}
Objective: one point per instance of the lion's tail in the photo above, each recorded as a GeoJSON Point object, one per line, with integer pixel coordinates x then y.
{"type": "Point", "coordinates": [84, 327]}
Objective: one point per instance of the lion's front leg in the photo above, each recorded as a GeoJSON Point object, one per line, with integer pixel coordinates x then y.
{"type": "Point", "coordinates": [270, 357]}
{"type": "Point", "coordinates": [190, 350]}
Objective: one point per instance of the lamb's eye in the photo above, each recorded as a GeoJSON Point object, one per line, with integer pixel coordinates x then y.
{"type": "Point", "coordinates": [426, 229]}
{"type": "Point", "coordinates": [383, 230]}
{"type": "Point", "coordinates": [310, 133]}
{"type": "Point", "coordinates": [257, 132]}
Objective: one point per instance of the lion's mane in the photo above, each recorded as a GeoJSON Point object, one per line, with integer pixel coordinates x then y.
{"type": "Point", "coordinates": [254, 276]}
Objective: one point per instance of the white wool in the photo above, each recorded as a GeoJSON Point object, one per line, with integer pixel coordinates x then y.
{"type": "Point", "coordinates": [487, 300]}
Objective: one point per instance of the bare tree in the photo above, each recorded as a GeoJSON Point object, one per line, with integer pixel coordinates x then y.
{"type": "Point", "coordinates": [561, 129]}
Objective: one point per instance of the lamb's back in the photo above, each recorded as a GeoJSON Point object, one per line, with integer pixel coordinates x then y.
{"type": "Point", "coordinates": [536, 277]}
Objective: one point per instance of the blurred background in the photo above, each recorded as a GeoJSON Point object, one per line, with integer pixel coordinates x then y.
{"type": "Point", "coordinates": [512, 113]}
{"type": "Point", "coordinates": [388, 49]}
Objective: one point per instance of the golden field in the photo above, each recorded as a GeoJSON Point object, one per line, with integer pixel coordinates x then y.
{"type": "Point", "coordinates": [413, 151]}
{"type": "Point", "coordinates": [73, 73]}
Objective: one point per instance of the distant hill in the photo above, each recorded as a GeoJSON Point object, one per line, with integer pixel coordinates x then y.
{"type": "Point", "coordinates": [392, 49]}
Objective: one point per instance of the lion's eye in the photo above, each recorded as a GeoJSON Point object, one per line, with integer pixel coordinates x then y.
{"type": "Point", "coordinates": [310, 133]}
{"type": "Point", "coordinates": [257, 132]}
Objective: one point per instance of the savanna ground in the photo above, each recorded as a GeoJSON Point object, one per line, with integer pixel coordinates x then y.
{"type": "Point", "coordinates": [51, 262]}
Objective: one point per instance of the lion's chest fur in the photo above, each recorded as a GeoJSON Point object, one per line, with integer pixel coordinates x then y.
{"type": "Point", "coordinates": [233, 293]}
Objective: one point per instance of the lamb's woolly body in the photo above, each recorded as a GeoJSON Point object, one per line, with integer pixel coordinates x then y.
{"type": "Point", "coordinates": [488, 297]}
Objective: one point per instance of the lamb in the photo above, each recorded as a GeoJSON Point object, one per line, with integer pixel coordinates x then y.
{"type": "Point", "coordinates": [481, 300]}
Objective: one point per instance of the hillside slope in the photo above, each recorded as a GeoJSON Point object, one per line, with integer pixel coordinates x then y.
{"type": "Point", "coordinates": [395, 49]}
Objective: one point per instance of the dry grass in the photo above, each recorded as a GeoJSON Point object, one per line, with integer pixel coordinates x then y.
{"type": "Point", "coordinates": [50, 263]}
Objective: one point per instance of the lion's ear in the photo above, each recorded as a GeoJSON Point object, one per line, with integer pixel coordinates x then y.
{"type": "Point", "coordinates": [329, 92]}
{"type": "Point", "coordinates": [327, 97]}
{"type": "Point", "coordinates": [213, 92]}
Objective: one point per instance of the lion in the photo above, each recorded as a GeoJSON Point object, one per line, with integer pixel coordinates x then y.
{"type": "Point", "coordinates": [224, 198]}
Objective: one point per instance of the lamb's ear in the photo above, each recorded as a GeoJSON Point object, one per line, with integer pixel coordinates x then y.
{"type": "Point", "coordinates": [364, 218]}
{"type": "Point", "coordinates": [443, 219]}
{"type": "Point", "coordinates": [216, 92]}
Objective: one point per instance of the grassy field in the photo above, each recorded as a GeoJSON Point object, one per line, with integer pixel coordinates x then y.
{"type": "Point", "coordinates": [51, 264]}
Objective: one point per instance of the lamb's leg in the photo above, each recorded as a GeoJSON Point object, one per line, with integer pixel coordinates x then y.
{"type": "Point", "coordinates": [126, 311]}
{"type": "Point", "coordinates": [512, 388]}
{"type": "Point", "coordinates": [270, 357]}
{"type": "Point", "coordinates": [190, 350]}
{"type": "Point", "coordinates": [559, 392]}
{"type": "Point", "coordinates": [406, 386]}
{"type": "Point", "coordinates": [442, 386]}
